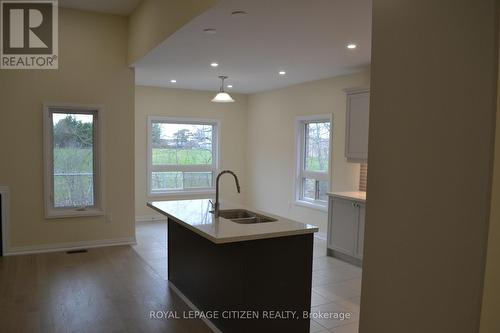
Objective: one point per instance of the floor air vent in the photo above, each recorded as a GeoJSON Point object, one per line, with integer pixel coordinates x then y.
{"type": "Point", "coordinates": [76, 251]}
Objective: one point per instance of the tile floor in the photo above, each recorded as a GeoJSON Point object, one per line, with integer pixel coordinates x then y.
{"type": "Point", "coordinates": [336, 286]}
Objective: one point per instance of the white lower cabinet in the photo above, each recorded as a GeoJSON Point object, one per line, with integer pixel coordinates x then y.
{"type": "Point", "coordinates": [361, 231]}
{"type": "Point", "coordinates": [346, 228]}
{"type": "Point", "coordinates": [343, 231]}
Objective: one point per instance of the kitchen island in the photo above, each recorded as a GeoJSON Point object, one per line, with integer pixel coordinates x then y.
{"type": "Point", "coordinates": [248, 272]}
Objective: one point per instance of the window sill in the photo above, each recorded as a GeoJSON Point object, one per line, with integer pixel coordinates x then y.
{"type": "Point", "coordinates": [182, 193]}
{"type": "Point", "coordinates": [54, 214]}
{"type": "Point", "coordinates": [312, 205]}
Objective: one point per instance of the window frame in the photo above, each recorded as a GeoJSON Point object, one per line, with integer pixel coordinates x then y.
{"type": "Point", "coordinates": [188, 168]}
{"type": "Point", "coordinates": [301, 173]}
{"type": "Point", "coordinates": [97, 209]}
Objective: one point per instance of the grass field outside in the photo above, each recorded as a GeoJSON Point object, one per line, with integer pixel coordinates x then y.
{"type": "Point", "coordinates": [167, 156]}
{"type": "Point", "coordinates": [73, 177]}
{"type": "Point", "coordinates": [73, 173]}
{"type": "Point", "coordinates": [165, 181]}
{"type": "Point", "coordinates": [70, 160]}
{"type": "Point", "coordinates": [316, 164]}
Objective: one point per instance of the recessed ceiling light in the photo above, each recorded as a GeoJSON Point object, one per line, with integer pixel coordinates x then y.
{"type": "Point", "coordinates": [210, 31]}
{"type": "Point", "coordinates": [173, 81]}
{"type": "Point", "coordinates": [281, 72]}
{"type": "Point", "coordinates": [214, 64]}
{"type": "Point", "coordinates": [229, 86]}
{"type": "Point", "coordinates": [351, 46]}
{"type": "Point", "coordinates": [239, 13]}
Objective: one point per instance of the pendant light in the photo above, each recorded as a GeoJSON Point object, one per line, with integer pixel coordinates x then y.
{"type": "Point", "coordinates": [222, 96]}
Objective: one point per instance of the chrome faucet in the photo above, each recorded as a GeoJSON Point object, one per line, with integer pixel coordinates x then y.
{"type": "Point", "coordinates": [216, 204]}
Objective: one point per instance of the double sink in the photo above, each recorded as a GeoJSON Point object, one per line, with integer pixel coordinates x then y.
{"type": "Point", "coordinates": [244, 216]}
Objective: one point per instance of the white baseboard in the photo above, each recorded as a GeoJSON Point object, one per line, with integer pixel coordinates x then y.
{"type": "Point", "coordinates": [193, 307]}
{"type": "Point", "coordinates": [150, 218]}
{"type": "Point", "coordinates": [60, 247]}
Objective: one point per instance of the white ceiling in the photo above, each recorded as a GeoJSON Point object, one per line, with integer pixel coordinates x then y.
{"type": "Point", "coordinates": [118, 7]}
{"type": "Point", "coordinates": [306, 38]}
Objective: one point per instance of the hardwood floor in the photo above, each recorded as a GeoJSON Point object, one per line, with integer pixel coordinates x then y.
{"type": "Point", "coordinates": [104, 290]}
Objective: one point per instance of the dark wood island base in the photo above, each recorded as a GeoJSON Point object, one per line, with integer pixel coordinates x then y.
{"type": "Point", "coordinates": [252, 286]}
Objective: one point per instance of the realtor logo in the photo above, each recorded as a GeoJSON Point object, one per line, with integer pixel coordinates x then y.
{"type": "Point", "coordinates": [29, 36]}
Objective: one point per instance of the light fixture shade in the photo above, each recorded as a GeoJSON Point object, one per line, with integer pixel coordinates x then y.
{"type": "Point", "coordinates": [222, 97]}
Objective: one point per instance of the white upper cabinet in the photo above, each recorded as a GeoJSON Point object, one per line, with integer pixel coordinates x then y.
{"type": "Point", "coordinates": [357, 116]}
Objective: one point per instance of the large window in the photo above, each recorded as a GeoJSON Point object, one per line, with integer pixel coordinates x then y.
{"type": "Point", "coordinates": [72, 161]}
{"type": "Point", "coordinates": [183, 155]}
{"type": "Point", "coordinates": [313, 162]}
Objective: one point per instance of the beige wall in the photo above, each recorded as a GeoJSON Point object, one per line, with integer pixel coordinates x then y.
{"type": "Point", "coordinates": [152, 101]}
{"type": "Point", "coordinates": [153, 21]}
{"type": "Point", "coordinates": [271, 143]}
{"type": "Point", "coordinates": [92, 70]}
{"type": "Point", "coordinates": [433, 88]}
{"type": "Point", "coordinates": [490, 322]}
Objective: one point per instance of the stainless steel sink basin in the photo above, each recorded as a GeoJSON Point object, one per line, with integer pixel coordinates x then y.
{"type": "Point", "coordinates": [231, 214]}
{"type": "Point", "coordinates": [244, 216]}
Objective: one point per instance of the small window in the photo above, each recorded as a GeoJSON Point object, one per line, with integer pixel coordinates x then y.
{"type": "Point", "coordinates": [183, 155]}
{"type": "Point", "coordinates": [72, 161]}
{"type": "Point", "coordinates": [313, 163]}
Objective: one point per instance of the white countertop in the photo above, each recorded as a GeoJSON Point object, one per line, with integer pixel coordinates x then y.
{"type": "Point", "coordinates": [351, 195]}
{"type": "Point", "coordinates": [195, 215]}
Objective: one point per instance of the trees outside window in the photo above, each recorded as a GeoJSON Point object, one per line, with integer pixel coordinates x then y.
{"type": "Point", "coordinates": [313, 163]}
{"type": "Point", "coordinates": [182, 155]}
{"type": "Point", "coordinates": [72, 160]}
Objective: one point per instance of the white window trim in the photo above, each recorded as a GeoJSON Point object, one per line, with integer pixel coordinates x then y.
{"type": "Point", "coordinates": [215, 155]}
{"type": "Point", "coordinates": [300, 139]}
{"type": "Point", "coordinates": [98, 209]}
{"type": "Point", "coordinates": [312, 205]}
